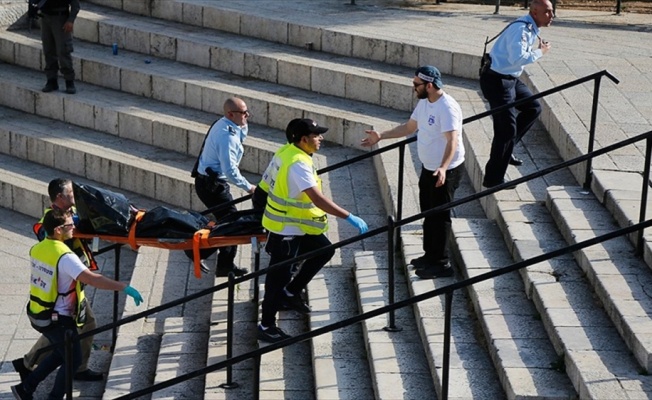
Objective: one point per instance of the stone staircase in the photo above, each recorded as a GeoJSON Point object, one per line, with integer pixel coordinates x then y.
{"type": "Point", "coordinates": [573, 327]}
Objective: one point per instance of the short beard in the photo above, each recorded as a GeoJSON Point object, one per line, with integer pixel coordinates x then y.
{"type": "Point", "coordinates": [422, 95]}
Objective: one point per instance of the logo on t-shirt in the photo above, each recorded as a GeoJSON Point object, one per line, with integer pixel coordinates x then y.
{"type": "Point", "coordinates": [431, 120]}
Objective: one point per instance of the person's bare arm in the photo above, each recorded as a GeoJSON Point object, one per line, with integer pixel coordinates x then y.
{"type": "Point", "coordinates": [324, 203]}
{"type": "Point", "coordinates": [449, 153]}
{"type": "Point", "coordinates": [100, 281]}
{"type": "Point", "coordinates": [402, 130]}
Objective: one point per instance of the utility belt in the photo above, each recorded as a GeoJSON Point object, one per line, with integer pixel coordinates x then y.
{"type": "Point", "coordinates": [210, 183]}
{"type": "Point", "coordinates": [56, 13]}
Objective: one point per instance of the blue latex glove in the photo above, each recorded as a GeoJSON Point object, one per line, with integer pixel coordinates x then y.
{"type": "Point", "coordinates": [358, 223]}
{"type": "Point", "coordinates": [133, 293]}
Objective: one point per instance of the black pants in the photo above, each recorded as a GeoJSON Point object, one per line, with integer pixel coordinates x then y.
{"type": "Point", "coordinates": [282, 248]}
{"type": "Point", "coordinates": [214, 193]}
{"type": "Point", "coordinates": [437, 228]}
{"type": "Point", "coordinates": [56, 358]}
{"type": "Point", "coordinates": [509, 128]}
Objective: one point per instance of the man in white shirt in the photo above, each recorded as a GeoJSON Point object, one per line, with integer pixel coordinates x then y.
{"type": "Point", "coordinates": [438, 119]}
{"type": "Point", "coordinates": [57, 301]}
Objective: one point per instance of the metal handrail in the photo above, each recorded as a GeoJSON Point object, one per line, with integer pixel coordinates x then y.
{"type": "Point", "coordinates": [256, 354]}
{"type": "Point", "coordinates": [392, 227]}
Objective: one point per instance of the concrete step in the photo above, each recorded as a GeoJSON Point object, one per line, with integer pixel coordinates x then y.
{"type": "Point", "coordinates": [620, 192]}
{"type": "Point", "coordinates": [130, 116]}
{"type": "Point", "coordinates": [570, 315]}
{"type": "Point", "coordinates": [527, 363]}
{"type": "Point", "coordinates": [397, 360]}
{"type": "Point", "coordinates": [620, 279]}
{"type": "Point", "coordinates": [271, 104]}
{"type": "Point", "coordinates": [363, 80]}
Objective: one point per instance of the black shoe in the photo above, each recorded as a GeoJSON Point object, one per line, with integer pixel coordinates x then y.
{"type": "Point", "coordinates": [70, 87]}
{"type": "Point", "coordinates": [23, 371]}
{"type": "Point", "coordinates": [515, 161]}
{"type": "Point", "coordinates": [204, 267]}
{"type": "Point", "coordinates": [296, 303]}
{"type": "Point", "coordinates": [50, 86]}
{"type": "Point", "coordinates": [435, 271]}
{"type": "Point", "coordinates": [272, 334]}
{"type": "Point", "coordinates": [20, 393]}
{"type": "Point", "coordinates": [89, 375]}
{"type": "Point", "coordinates": [419, 262]}
{"type": "Point", "coordinates": [221, 271]}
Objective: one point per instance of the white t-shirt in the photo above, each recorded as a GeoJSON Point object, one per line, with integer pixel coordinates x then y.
{"type": "Point", "coordinates": [70, 266]}
{"type": "Point", "coordinates": [300, 178]}
{"type": "Point", "coordinates": [433, 119]}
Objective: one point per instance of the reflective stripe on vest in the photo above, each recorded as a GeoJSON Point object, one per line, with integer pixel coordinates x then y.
{"type": "Point", "coordinates": [281, 210]}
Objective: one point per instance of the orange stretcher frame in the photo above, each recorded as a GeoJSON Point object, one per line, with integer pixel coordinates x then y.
{"type": "Point", "coordinates": [200, 240]}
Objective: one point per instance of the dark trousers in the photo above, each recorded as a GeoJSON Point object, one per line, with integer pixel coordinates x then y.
{"type": "Point", "coordinates": [57, 47]}
{"type": "Point", "coordinates": [509, 126]}
{"type": "Point", "coordinates": [214, 193]}
{"type": "Point", "coordinates": [437, 228]}
{"type": "Point", "coordinates": [282, 248]}
{"type": "Point", "coordinates": [55, 359]}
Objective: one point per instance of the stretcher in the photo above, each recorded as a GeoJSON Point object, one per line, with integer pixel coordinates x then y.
{"type": "Point", "coordinates": [200, 240]}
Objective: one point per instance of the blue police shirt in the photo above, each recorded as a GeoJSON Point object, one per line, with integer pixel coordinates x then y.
{"type": "Point", "coordinates": [223, 151]}
{"type": "Point", "coordinates": [513, 48]}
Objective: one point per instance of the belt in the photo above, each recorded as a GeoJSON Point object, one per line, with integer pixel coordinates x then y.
{"type": "Point", "coordinates": [503, 76]}
{"type": "Point", "coordinates": [56, 13]}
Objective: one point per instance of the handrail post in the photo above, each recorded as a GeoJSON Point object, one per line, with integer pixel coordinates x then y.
{"type": "Point", "coordinates": [256, 247]}
{"type": "Point", "coordinates": [116, 297]}
{"type": "Point", "coordinates": [257, 377]}
{"type": "Point", "coordinates": [399, 206]}
{"type": "Point", "coordinates": [391, 325]}
{"type": "Point", "coordinates": [496, 11]}
{"type": "Point", "coordinates": [68, 357]}
{"type": "Point", "coordinates": [646, 183]}
{"type": "Point", "coordinates": [594, 117]}
{"type": "Point", "coordinates": [618, 6]}
{"type": "Point", "coordinates": [229, 384]}
{"type": "Point", "coordinates": [447, 345]}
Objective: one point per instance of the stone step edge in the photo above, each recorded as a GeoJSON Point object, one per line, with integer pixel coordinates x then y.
{"type": "Point", "coordinates": [615, 301]}
{"type": "Point", "coordinates": [347, 78]}
{"type": "Point", "coordinates": [533, 279]}
{"type": "Point", "coordinates": [521, 376]}
{"type": "Point", "coordinates": [387, 361]}
{"type": "Point", "coordinates": [239, 22]}
{"type": "Point", "coordinates": [131, 352]}
{"type": "Point", "coordinates": [345, 118]}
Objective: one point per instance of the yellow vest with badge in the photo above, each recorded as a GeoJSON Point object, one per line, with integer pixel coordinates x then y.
{"type": "Point", "coordinates": [43, 290]}
{"type": "Point", "coordinates": [281, 210]}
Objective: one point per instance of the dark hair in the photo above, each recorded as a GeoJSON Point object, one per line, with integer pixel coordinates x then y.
{"type": "Point", "coordinates": [56, 186]}
{"type": "Point", "coordinates": [53, 219]}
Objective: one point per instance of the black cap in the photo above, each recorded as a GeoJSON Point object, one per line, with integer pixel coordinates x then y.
{"type": "Point", "coordinates": [428, 73]}
{"type": "Point", "coordinates": [302, 127]}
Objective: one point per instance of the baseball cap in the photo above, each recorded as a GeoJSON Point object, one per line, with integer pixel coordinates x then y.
{"type": "Point", "coordinates": [302, 127]}
{"type": "Point", "coordinates": [428, 73]}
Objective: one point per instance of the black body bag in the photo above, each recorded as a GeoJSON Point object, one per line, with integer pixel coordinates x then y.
{"type": "Point", "coordinates": [101, 211]}
{"type": "Point", "coordinates": [164, 222]}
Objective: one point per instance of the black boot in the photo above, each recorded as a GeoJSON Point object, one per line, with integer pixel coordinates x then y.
{"type": "Point", "coordinates": [50, 86]}
{"type": "Point", "coordinates": [70, 87]}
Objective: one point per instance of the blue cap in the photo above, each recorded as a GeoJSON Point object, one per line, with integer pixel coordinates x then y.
{"type": "Point", "coordinates": [428, 73]}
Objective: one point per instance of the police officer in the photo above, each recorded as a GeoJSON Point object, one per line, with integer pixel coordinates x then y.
{"type": "Point", "coordinates": [518, 45]}
{"type": "Point", "coordinates": [295, 216]}
{"type": "Point", "coordinates": [218, 164]}
{"type": "Point", "coordinates": [57, 301]}
{"type": "Point", "coordinates": [57, 21]}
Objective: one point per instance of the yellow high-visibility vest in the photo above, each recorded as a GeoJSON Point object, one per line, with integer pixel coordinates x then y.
{"type": "Point", "coordinates": [281, 210]}
{"type": "Point", "coordinates": [43, 289]}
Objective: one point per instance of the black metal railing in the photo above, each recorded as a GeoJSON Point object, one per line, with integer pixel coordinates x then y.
{"type": "Point", "coordinates": [391, 229]}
